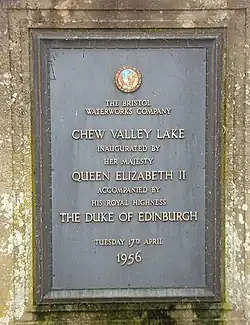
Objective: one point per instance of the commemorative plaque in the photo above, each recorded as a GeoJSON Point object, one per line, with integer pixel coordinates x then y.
{"type": "Point", "coordinates": [127, 165]}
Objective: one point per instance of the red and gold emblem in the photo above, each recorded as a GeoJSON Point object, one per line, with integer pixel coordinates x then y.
{"type": "Point", "coordinates": [128, 79]}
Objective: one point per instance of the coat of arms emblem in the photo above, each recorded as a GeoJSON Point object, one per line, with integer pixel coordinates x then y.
{"type": "Point", "coordinates": [128, 79]}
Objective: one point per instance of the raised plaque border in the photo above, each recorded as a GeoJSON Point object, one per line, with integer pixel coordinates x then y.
{"type": "Point", "coordinates": [212, 40]}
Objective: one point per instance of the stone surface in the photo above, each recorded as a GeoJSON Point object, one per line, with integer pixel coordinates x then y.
{"type": "Point", "coordinates": [127, 4]}
{"type": "Point", "coordinates": [16, 288]}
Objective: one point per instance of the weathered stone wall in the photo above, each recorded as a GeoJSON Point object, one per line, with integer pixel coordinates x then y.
{"type": "Point", "coordinates": [17, 19]}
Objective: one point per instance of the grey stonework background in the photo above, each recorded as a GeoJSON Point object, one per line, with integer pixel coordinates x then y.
{"type": "Point", "coordinates": [17, 19]}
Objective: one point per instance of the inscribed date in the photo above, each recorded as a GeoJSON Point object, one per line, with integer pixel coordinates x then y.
{"type": "Point", "coordinates": [128, 259]}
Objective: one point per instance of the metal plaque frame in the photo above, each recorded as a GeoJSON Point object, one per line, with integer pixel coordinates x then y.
{"type": "Point", "coordinates": [209, 39]}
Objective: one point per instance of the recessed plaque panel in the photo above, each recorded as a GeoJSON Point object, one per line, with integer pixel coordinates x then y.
{"type": "Point", "coordinates": [128, 152]}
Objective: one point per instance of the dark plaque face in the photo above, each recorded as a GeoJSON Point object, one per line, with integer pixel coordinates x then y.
{"type": "Point", "coordinates": [129, 144]}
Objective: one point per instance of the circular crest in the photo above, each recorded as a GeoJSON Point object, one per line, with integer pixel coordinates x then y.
{"type": "Point", "coordinates": [128, 79]}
